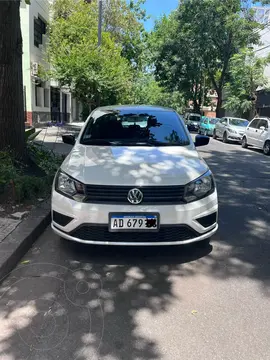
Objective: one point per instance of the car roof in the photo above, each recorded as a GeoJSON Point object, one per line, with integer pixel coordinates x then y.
{"type": "Point", "coordinates": [136, 108]}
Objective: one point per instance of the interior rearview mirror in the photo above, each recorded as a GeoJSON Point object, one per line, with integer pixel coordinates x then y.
{"type": "Point", "coordinates": [68, 139]}
{"type": "Point", "coordinates": [201, 140]}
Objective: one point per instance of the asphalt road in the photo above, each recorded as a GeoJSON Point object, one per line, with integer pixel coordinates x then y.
{"type": "Point", "coordinates": [67, 301]}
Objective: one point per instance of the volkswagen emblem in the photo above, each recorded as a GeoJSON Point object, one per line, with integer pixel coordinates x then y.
{"type": "Point", "coordinates": [135, 196]}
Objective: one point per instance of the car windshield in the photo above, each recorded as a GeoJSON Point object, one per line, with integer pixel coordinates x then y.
{"type": "Point", "coordinates": [119, 127]}
{"type": "Point", "coordinates": [213, 121]}
{"type": "Point", "coordinates": [238, 122]}
{"type": "Point", "coordinates": [194, 118]}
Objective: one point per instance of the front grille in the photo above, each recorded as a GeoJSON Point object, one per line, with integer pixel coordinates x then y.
{"type": "Point", "coordinates": [208, 220]}
{"type": "Point", "coordinates": [165, 234]}
{"type": "Point", "coordinates": [61, 219]}
{"type": "Point", "coordinates": [118, 194]}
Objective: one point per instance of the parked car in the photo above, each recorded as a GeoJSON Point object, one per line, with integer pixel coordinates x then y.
{"type": "Point", "coordinates": [134, 177]}
{"type": "Point", "coordinates": [207, 126]}
{"type": "Point", "coordinates": [257, 134]}
{"type": "Point", "coordinates": [230, 129]}
{"type": "Point", "coordinates": [193, 121]}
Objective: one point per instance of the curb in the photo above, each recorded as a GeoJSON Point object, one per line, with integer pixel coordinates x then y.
{"type": "Point", "coordinates": [20, 240]}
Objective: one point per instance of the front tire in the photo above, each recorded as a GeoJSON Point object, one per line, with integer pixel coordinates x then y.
{"type": "Point", "coordinates": [266, 148]}
{"type": "Point", "coordinates": [225, 138]}
{"type": "Point", "coordinates": [244, 143]}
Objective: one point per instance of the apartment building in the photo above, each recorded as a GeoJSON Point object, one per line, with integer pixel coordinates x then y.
{"type": "Point", "coordinates": [43, 101]}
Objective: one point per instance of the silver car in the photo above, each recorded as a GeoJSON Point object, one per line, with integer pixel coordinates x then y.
{"type": "Point", "coordinates": [230, 129]}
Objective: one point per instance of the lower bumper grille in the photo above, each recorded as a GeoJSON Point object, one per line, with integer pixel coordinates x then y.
{"type": "Point", "coordinates": [165, 234]}
{"type": "Point", "coordinates": [61, 219]}
{"type": "Point", "coordinates": [208, 220]}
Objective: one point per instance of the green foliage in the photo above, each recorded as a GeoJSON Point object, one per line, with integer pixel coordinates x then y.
{"type": "Point", "coordinates": [146, 90]}
{"type": "Point", "coordinates": [45, 159]}
{"type": "Point", "coordinates": [30, 187]}
{"type": "Point", "coordinates": [198, 41]}
{"type": "Point", "coordinates": [246, 74]}
{"type": "Point", "coordinates": [24, 187]}
{"type": "Point", "coordinates": [94, 74]}
{"type": "Point", "coordinates": [7, 169]}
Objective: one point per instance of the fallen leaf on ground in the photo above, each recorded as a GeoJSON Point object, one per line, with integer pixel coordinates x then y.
{"type": "Point", "coordinates": [193, 312]}
{"type": "Point", "coordinates": [25, 262]}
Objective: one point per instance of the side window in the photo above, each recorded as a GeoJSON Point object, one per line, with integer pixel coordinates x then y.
{"type": "Point", "coordinates": [254, 123]}
{"type": "Point", "coordinates": [223, 121]}
{"type": "Point", "coordinates": [263, 122]}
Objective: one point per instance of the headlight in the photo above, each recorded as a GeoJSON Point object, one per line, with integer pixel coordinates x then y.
{"type": "Point", "coordinates": [232, 131]}
{"type": "Point", "coordinates": [200, 188]}
{"type": "Point", "coordinates": [69, 187]}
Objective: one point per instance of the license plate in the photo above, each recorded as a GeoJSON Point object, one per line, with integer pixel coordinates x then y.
{"type": "Point", "coordinates": [134, 222]}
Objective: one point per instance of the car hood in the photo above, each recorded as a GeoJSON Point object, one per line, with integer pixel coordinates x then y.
{"type": "Point", "coordinates": [132, 165]}
{"type": "Point", "coordinates": [240, 129]}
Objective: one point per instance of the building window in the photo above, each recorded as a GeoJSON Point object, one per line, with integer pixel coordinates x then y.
{"type": "Point", "coordinates": [39, 31]}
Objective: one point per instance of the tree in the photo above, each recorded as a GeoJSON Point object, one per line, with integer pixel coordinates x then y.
{"type": "Point", "coordinates": [246, 75]}
{"type": "Point", "coordinates": [146, 90]}
{"type": "Point", "coordinates": [93, 73]}
{"type": "Point", "coordinates": [11, 81]}
{"type": "Point", "coordinates": [206, 36]}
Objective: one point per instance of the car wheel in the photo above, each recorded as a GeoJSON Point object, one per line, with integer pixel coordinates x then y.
{"type": "Point", "coordinates": [214, 134]}
{"type": "Point", "coordinates": [266, 147]}
{"type": "Point", "coordinates": [225, 137]}
{"type": "Point", "coordinates": [244, 143]}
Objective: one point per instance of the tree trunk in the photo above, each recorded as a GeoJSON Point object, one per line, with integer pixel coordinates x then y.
{"type": "Point", "coordinates": [11, 82]}
{"type": "Point", "coordinates": [219, 105]}
{"type": "Point", "coordinates": [196, 107]}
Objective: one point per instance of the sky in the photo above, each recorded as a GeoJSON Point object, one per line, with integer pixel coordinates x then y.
{"type": "Point", "coordinates": [156, 8]}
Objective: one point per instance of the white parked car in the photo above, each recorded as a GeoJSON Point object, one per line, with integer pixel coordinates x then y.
{"type": "Point", "coordinates": [134, 177]}
{"type": "Point", "coordinates": [258, 134]}
{"type": "Point", "coordinates": [230, 129]}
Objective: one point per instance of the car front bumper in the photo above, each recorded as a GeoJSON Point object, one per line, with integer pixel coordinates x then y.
{"type": "Point", "coordinates": [193, 127]}
{"type": "Point", "coordinates": [179, 219]}
{"type": "Point", "coordinates": [235, 137]}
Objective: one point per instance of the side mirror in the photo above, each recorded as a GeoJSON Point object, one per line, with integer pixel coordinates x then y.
{"type": "Point", "coordinates": [262, 128]}
{"type": "Point", "coordinates": [68, 139]}
{"type": "Point", "coordinates": [201, 140]}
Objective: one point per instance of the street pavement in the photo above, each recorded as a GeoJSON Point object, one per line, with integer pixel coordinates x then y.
{"type": "Point", "coordinates": [68, 301]}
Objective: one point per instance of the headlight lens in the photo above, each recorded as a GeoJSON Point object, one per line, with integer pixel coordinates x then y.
{"type": "Point", "coordinates": [232, 131]}
{"type": "Point", "coordinates": [200, 188]}
{"type": "Point", "coordinates": [70, 187]}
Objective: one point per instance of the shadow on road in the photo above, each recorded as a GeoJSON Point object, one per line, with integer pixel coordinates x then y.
{"type": "Point", "coordinates": [88, 299]}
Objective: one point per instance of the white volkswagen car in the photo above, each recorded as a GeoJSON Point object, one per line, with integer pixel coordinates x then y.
{"type": "Point", "coordinates": [134, 177]}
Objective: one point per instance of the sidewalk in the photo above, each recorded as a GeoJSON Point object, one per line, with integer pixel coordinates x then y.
{"type": "Point", "coordinates": [52, 136]}
{"type": "Point", "coordinates": [17, 233]}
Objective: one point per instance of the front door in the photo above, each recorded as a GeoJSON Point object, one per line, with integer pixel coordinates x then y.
{"type": "Point", "coordinates": [251, 132]}
{"type": "Point", "coordinates": [64, 107]}
{"type": "Point", "coordinates": [261, 134]}
{"type": "Point", "coordinates": [55, 104]}
{"type": "Point", "coordinates": [220, 126]}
